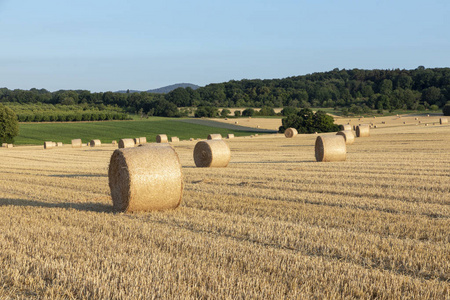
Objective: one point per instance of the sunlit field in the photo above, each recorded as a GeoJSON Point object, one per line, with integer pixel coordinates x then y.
{"type": "Point", "coordinates": [274, 224]}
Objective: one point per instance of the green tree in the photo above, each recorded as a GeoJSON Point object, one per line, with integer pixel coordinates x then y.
{"type": "Point", "coordinates": [225, 112]}
{"type": "Point", "coordinates": [446, 110]}
{"type": "Point", "coordinates": [248, 112]}
{"type": "Point", "coordinates": [9, 125]}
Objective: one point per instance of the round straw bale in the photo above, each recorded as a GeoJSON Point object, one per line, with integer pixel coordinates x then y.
{"type": "Point", "coordinates": [54, 144]}
{"type": "Point", "coordinates": [212, 153]}
{"type": "Point", "coordinates": [4, 145]}
{"type": "Point", "coordinates": [214, 136]}
{"type": "Point", "coordinates": [9, 146]}
{"type": "Point", "coordinates": [290, 132]}
{"type": "Point", "coordinates": [145, 178]}
{"type": "Point", "coordinates": [143, 140]}
{"type": "Point", "coordinates": [345, 127]}
{"type": "Point", "coordinates": [257, 126]}
{"type": "Point", "coordinates": [230, 136]}
{"type": "Point", "coordinates": [48, 145]}
{"type": "Point", "coordinates": [236, 122]}
{"type": "Point", "coordinates": [362, 130]}
{"type": "Point", "coordinates": [404, 123]}
{"type": "Point", "coordinates": [137, 141]}
{"type": "Point", "coordinates": [161, 138]}
{"type": "Point", "coordinates": [59, 144]}
{"type": "Point", "coordinates": [348, 136]}
{"type": "Point", "coordinates": [174, 139]}
{"type": "Point", "coordinates": [126, 143]}
{"type": "Point", "coordinates": [443, 121]}
{"type": "Point", "coordinates": [330, 148]}
{"type": "Point", "coordinates": [416, 119]}
{"type": "Point", "coordinates": [76, 143]}
{"type": "Point", "coordinates": [191, 139]}
{"type": "Point", "coordinates": [114, 142]}
{"type": "Point", "coordinates": [95, 143]}
{"type": "Point", "coordinates": [354, 127]}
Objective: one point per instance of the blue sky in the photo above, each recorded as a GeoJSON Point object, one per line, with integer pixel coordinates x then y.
{"type": "Point", "coordinates": [112, 45]}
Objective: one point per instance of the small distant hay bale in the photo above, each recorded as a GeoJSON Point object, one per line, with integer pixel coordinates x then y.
{"type": "Point", "coordinates": [212, 153]}
{"type": "Point", "coordinates": [95, 143]}
{"type": "Point", "coordinates": [126, 143]}
{"type": "Point", "coordinates": [426, 124]}
{"type": "Point", "coordinates": [174, 139]}
{"type": "Point", "coordinates": [114, 142]}
{"type": "Point", "coordinates": [330, 148]}
{"type": "Point", "coordinates": [236, 122]}
{"type": "Point", "coordinates": [230, 136]}
{"type": "Point", "coordinates": [214, 136]}
{"type": "Point", "coordinates": [420, 122]}
{"type": "Point", "coordinates": [257, 126]}
{"type": "Point", "coordinates": [443, 121]}
{"type": "Point", "coordinates": [9, 146]}
{"type": "Point", "coordinates": [145, 178]}
{"type": "Point", "coordinates": [428, 115]}
{"type": "Point", "coordinates": [54, 144]}
{"type": "Point", "coordinates": [362, 131]}
{"type": "Point", "coordinates": [59, 144]}
{"type": "Point", "coordinates": [375, 126]}
{"type": "Point", "coordinates": [143, 140]}
{"type": "Point", "coordinates": [76, 143]}
{"type": "Point", "coordinates": [161, 138]}
{"type": "Point", "coordinates": [137, 141]}
{"type": "Point", "coordinates": [383, 122]}
{"type": "Point", "coordinates": [290, 132]}
{"type": "Point", "coordinates": [48, 145]}
{"type": "Point", "coordinates": [256, 134]}
{"type": "Point", "coordinates": [4, 145]}
{"type": "Point", "coordinates": [191, 139]}
{"type": "Point", "coordinates": [226, 119]}
{"type": "Point", "coordinates": [404, 123]}
{"type": "Point", "coordinates": [348, 135]}
{"type": "Point", "coordinates": [416, 119]}
{"type": "Point", "coordinates": [344, 127]}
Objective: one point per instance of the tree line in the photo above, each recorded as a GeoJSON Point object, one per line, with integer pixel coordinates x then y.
{"type": "Point", "coordinates": [354, 90]}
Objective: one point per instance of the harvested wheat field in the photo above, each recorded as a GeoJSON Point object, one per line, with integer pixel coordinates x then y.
{"type": "Point", "coordinates": [273, 224]}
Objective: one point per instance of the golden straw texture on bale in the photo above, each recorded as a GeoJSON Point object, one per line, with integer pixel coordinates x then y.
{"type": "Point", "coordinates": [345, 127]}
{"type": "Point", "coordinates": [9, 146]}
{"type": "Point", "coordinates": [212, 153]}
{"type": "Point", "coordinates": [330, 148]}
{"type": "Point", "coordinates": [95, 143]}
{"type": "Point", "coordinates": [443, 120]}
{"type": "Point", "coordinates": [161, 138]}
{"type": "Point", "coordinates": [143, 140]}
{"type": "Point", "coordinates": [214, 136]}
{"type": "Point", "coordinates": [126, 143]}
{"type": "Point", "coordinates": [59, 144]}
{"type": "Point", "coordinates": [174, 139]}
{"type": "Point", "coordinates": [348, 136]}
{"type": "Point", "coordinates": [230, 136]}
{"type": "Point", "coordinates": [48, 145]}
{"type": "Point", "coordinates": [137, 141]}
{"type": "Point", "coordinates": [54, 144]}
{"type": "Point", "coordinates": [290, 132]}
{"type": "Point", "coordinates": [5, 145]}
{"type": "Point", "coordinates": [76, 143]}
{"type": "Point", "coordinates": [362, 130]}
{"type": "Point", "coordinates": [114, 142]}
{"type": "Point", "coordinates": [145, 178]}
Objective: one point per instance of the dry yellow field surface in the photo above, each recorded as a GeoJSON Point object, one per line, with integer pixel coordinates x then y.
{"type": "Point", "coordinates": [274, 224]}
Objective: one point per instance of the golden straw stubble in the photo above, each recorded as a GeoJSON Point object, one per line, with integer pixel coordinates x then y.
{"type": "Point", "coordinates": [145, 178]}
{"type": "Point", "coordinates": [330, 148]}
{"type": "Point", "coordinates": [290, 132]}
{"type": "Point", "coordinates": [348, 136]}
{"type": "Point", "coordinates": [212, 153]}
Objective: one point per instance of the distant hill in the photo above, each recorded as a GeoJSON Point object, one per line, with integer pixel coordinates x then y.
{"type": "Point", "coordinates": [166, 89]}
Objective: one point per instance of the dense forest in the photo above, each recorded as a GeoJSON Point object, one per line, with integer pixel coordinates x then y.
{"type": "Point", "coordinates": [353, 91]}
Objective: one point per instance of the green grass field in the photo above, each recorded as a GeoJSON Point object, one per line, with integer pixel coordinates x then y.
{"type": "Point", "coordinates": [106, 131]}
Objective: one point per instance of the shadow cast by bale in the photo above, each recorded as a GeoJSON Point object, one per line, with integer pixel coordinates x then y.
{"type": "Point", "coordinates": [88, 206]}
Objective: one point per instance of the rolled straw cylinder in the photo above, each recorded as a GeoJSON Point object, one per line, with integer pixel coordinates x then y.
{"type": "Point", "coordinates": [161, 138]}
{"type": "Point", "coordinates": [114, 142]}
{"type": "Point", "coordinates": [143, 140]}
{"type": "Point", "coordinates": [48, 145]}
{"type": "Point", "coordinates": [212, 153]}
{"type": "Point", "coordinates": [95, 143]}
{"type": "Point", "coordinates": [290, 132]}
{"type": "Point", "coordinates": [126, 143]}
{"type": "Point", "coordinates": [9, 146]}
{"type": "Point", "coordinates": [214, 136]}
{"type": "Point", "coordinates": [76, 143]}
{"type": "Point", "coordinates": [345, 127]}
{"type": "Point", "coordinates": [5, 145]}
{"type": "Point", "coordinates": [145, 178]}
{"type": "Point", "coordinates": [54, 144]}
{"type": "Point", "coordinates": [443, 121]}
{"type": "Point", "coordinates": [230, 136]}
{"type": "Point", "coordinates": [362, 130]}
{"type": "Point", "coordinates": [59, 144]}
{"type": "Point", "coordinates": [174, 139]}
{"type": "Point", "coordinates": [348, 136]}
{"type": "Point", "coordinates": [137, 141]}
{"type": "Point", "coordinates": [330, 148]}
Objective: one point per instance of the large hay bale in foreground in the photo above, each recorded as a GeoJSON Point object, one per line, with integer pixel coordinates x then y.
{"type": "Point", "coordinates": [174, 139]}
{"type": "Point", "coordinates": [212, 153]}
{"type": "Point", "coordinates": [77, 143]}
{"type": "Point", "coordinates": [290, 132]}
{"type": "Point", "coordinates": [145, 178]}
{"type": "Point", "coordinates": [214, 136]}
{"type": "Point", "coordinates": [362, 130]}
{"type": "Point", "coordinates": [143, 140]}
{"type": "Point", "coordinates": [348, 136]}
{"type": "Point", "coordinates": [344, 127]}
{"type": "Point", "coordinates": [230, 136]}
{"type": "Point", "coordinates": [161, 138]}
{"type": "Point", "coordinates": [126, 143]}
{"type": "Point", "coordinates": [95, 143]}
{"type": "Point", "coordinates": [48, 145]}
{"type": "Point", "coordinates": [443, 121]}
{"type": "Point", "coordinates": [330, 148]}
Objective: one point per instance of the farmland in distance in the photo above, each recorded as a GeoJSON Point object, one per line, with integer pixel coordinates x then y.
{"type": "Point", "coordinates": [274, 224]}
